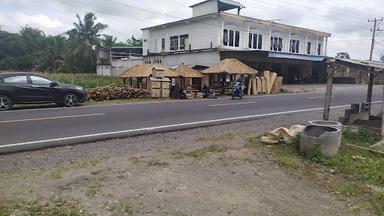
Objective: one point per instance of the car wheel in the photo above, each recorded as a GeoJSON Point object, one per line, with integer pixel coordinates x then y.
{"type": "Point", "coordinates": [70, 100]}
{"type": "Point", "coordinates": [5, 103]}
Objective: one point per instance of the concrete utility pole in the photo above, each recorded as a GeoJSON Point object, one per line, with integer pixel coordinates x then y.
{"type": "Point", "coordinates": [376, 23]}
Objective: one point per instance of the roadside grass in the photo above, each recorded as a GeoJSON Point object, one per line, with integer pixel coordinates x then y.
{"type": "Point", "coordinates": [86, 80]}
{"type": "Point", "coordinates": [362, 136]}
{"type": "Point", "coordinates": [360, 170]}
{"type": "Point", "coordinates": [54, 208]}
{"type": "Point", "coordinates": [148, 162]}
{"type": "Point", "coordinates": [200, 153]}
{"type": "Point", "coordinates": [223, 137]}
{"type": "Point", "coordinates": [58, 171]}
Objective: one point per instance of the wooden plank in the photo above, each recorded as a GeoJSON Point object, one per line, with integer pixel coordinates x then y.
{"type": "Point", "coordinates": [259, 85]}
{"type": "Point", "coordinates": [254, 86]}
{"type": "Point", "coordinates": [250, 85]}
{"type": "Point", "coordinates": [263, 85]}
{"type": "Point", "coordinates": [276, 89]}
{"type": "Point", "coordinates": [267, 81]}
{"type": "Point", "coordinates": [272, 80]}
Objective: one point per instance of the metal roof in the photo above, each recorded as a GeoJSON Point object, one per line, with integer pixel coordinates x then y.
{"type": "Point", "coordinates": [378, 66]}
{"type": "Point", "coordinates": [228, 2]}
{"type": "Point", "coordinates": [284, 55]}
{"type": "Point", "coordinates": [243, 18]}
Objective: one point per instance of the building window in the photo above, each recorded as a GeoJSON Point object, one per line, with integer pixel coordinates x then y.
{"type": "Point", "coordinates": [231, 34]}
{"type": "Point", "coordinates": [231, 38]}
{"type": "Point", "coordinates": [260, 42]}
{"type": "Point", "coordinates": [294, 46]}
{"type": "Point", "coordinates": [276, 44]}
{"type": "Point", "coordinates": [255, 41]}
{"type": "Point", "coordinates": [309, 48]}
{"type": "Point", "coordinates": [183, 41]}
{"type": "Point", "coordinates": [174, 45]}
{"type": "Point", "coordinates": [319, 49]}
{"type": "Point", "coordinates": [163, 44]}
{"type": "Point", "coordinates": [250, 40]}
{"type": "Point", "coordinates": [225, 37]}
{"type": "Point", "coordinates": [237, 38]}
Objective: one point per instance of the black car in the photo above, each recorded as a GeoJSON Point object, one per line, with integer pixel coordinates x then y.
{"type": "Point", "coordinates": [33, 88]}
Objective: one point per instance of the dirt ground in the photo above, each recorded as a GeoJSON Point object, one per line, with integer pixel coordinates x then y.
{"type": "Point", "coordinates": [205, 171]}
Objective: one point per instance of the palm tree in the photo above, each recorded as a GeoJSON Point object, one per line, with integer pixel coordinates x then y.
{"type": "Point", "coordinates": [133, 42]}
{"type": "Point", "coordinates": [87, 29]}
{"type": "Point", "coordinates": [108, 41]}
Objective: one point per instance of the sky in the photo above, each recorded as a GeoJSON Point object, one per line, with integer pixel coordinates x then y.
{"type": "Point", "coordinates": [347, 20]}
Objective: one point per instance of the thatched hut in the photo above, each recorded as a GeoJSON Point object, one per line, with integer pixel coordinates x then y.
{"type": "Point", "coordinates": [225, 72]}
{"type": "Point", "coordinates": [188, 77]}
{"type": "Point", "coordinates": [142, 73]}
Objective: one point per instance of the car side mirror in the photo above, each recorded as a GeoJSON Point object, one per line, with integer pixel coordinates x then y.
{"type": "Point", "coordinates": [54, 84]}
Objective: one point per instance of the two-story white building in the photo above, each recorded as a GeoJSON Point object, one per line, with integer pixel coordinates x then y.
{"type": "Point", "coordinates": [211, 35]}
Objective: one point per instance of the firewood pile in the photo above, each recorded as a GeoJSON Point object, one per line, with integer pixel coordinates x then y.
{"type": "Point", "coordinates": [269, 83]}
{"type": "Point", "coordinates": [113, 93]}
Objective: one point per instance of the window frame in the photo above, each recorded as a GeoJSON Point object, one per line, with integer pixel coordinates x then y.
{"type": "Point", "coordinates": [183, 40]}
{"type": "Point", "coordinates": [231, 38]}
{"type": "Point", "coordinates": [174, 43]}
{"type": "Point", "coordinates": [309, 48]}
{"type": "Point", "coordinates": [225, 37]}
{"type": "Point", "coordinates": [45, 78]}
{"type": "Point", "coordinates": [13, 83]}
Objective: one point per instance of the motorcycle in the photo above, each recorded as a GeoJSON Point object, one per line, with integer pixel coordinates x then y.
{"type": "Point", "coordinates": [237, 90]}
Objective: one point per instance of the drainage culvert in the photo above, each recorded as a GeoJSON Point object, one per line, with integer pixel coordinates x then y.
{"type": "Point", "coordinates": [324, 139]}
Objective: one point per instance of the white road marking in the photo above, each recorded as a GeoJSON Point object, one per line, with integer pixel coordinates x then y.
{"type": "Point", "coordinates": [50, 118]}
{"type": "Point", "coordinates": [319, 97]}
{"type": "Point", "coordinates": [231, 104]}
{"type": "Point", "coordinates": [148, 129]}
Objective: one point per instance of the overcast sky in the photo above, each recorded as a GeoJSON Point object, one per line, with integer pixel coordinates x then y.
{"type": "Point", "coordinates": [347, 20]}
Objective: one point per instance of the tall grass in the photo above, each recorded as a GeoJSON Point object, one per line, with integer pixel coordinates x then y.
{"type": "Point", "coordinates": [85, 80]}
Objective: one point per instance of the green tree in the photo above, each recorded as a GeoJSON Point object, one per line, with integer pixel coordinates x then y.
{"type": "Point", "coordinates": [133, 42]}
{"type": "Point", "coordinates": [79, 53]}
{"type": "Point", "coordinates": [51, 57]}
{"type": "Point", "coordinates": [343, 55]}
{"type": "Point", "coordinates": [87, 29]}
{"type": "Point", "coordinates": [20, 51]}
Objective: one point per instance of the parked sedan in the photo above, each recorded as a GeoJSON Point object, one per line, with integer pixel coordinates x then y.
{"type": "Point", "coordinates": [33, 88]}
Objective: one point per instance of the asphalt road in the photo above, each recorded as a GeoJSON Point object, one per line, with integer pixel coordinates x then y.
{"type": "Point", "coordinates": [37, 128]}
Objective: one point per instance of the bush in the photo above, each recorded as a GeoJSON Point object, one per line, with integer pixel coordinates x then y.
{"type": "Point", "coordinates": [87, 81]}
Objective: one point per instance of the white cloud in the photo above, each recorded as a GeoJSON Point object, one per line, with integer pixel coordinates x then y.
{"type": "Point", "coordinates": [345, 19]}
{"type": "Point", "coordinates": [40, 20]}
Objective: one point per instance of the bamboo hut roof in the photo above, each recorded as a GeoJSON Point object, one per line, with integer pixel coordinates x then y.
{"type": "Point", "coordinates": [187, 72]}
{"type": "Point", "coordinates": [230, 66]}
{"type": "Point", "coordinates": [143, 70]}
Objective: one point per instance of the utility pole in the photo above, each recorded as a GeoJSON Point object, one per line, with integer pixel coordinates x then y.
{"type": "Point", "coordinates": [376, 24]}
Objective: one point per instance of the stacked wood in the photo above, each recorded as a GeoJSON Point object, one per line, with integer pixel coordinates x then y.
{"type": "Point", "coordinates": [269, 83]}
{"type": "Point", "coordinates": [259, 86]}
{"type": "Point", "coordinates": [113, 93]}
{"type": "Point", "coordinates": [277, 85]}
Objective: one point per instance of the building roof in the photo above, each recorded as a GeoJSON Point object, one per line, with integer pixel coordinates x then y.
{"type": "Point", "coordinates": [378, 66]}
{"type": "Point", "coordinates": [187, 72]}
{"type": "Point", "coordinates": [274, 24]}
{"type": "Point", "coordinates": [243, 18]}
{"type": "Point", "coordinates": [143, 70]}
{"type": "Point", "coordinates": [230, 66]}
{"type": "Point", "coordinates": [232, 3]}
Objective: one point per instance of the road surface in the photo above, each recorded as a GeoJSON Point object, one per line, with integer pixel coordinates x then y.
{"type": "Point", "coordinates": [37, 128]}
